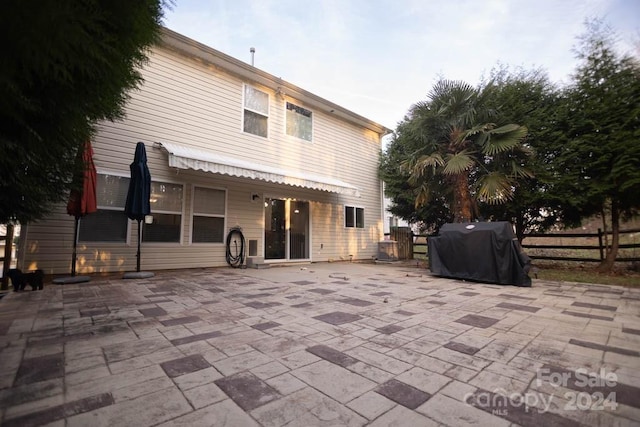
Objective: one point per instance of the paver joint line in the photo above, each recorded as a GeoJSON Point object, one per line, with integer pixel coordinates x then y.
{"type": "Point", "coordinates": [268, 347]}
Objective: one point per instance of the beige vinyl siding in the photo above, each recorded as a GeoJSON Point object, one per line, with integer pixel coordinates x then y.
{"type": "Point", "coordinates": [186, 102]}
{"type": "Point", "coordinates": [54, 245]}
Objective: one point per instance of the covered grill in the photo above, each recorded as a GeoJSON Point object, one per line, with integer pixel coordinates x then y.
{"type": "Point", "coordinates": [480, 251]}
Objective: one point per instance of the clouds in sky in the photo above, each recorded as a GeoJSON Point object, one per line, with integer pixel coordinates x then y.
{"type": "Point", "coordinates": [378, 57]}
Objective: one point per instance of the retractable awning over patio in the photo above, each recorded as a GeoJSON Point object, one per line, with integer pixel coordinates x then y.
{"type": "Point", "coordinates": [183, 157]}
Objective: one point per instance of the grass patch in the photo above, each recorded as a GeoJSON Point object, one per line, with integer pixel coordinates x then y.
{"type": "Point", "coordinates": [556, 271]}
{"type": "Point", "coordinates": [583, 274]}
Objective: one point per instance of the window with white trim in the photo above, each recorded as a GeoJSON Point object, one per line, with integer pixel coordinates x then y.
{"type": "Point", "coordinates": [209, 207]}
{"type": "Point", "coordinates": [299, 122]}
{"type": "Point", "coordinates": [166, 213]}
{"type": "Point", "coordinates": [353, 217]}
{"type": "Point", "coordinates": [256, 112]}
{"type": "Point", "coordinates": [109, 223]}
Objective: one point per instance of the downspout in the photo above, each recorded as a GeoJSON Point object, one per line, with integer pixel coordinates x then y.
{"type": "Point", "coordinates": [382, 204]}
{"type": "Point", "coordinates": [382, 217]}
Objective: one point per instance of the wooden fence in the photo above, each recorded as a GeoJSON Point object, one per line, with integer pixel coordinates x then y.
{"type": "Point", "coordinates": [598, 250]}
{"type": "Point", "coordinates": [419, 246]}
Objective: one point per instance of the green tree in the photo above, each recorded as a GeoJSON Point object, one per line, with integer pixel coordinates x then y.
{"type": "Point", "coordinates": [464, 152]}
{"type": "Point", "coordinates": [430, 216]}
{"type": "Point", "coordinates": [600, 161]}
{"type": "Point", "coordinates": [528, 97]}
{"type": "Point", "coordinates": [66, 65]}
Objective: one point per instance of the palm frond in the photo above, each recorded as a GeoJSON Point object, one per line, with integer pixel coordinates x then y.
{"type": "Point", "coordinates": [458, 163]}
{"type": "Point", "coordinates": [518, 171]}
{"type": "Point", "coordinates": [495, 188]}
{"type": "Point", "coordinates": [481, 130]}
{"type": "Point", "coordinates": [504, 138]}
{"type": "Point", "coordinates": [446, 90]}
{"type": "Point", "coordinates": [423, 196]}
{"type": "Point", "coordinates": [432, 160]}
{"type": "Point", "coordinates": [454, 101]}
{"type": "Point", "coordinates": [506, 129]}
{"type": "Point", "coordinates": [407, 166]}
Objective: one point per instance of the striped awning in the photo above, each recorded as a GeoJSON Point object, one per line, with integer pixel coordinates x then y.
{"type": "Point", "coordinates": [184, 157]}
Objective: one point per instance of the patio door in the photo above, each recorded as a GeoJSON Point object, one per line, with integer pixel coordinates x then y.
{"type": "Point", "coordinates": [286, 229]}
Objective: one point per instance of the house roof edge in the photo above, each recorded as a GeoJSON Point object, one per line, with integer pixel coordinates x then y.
{"type": "Point", "coordinates": [194, 49]}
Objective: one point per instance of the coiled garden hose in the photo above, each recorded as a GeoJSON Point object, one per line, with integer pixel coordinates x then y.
{"type": "Point", "coordinates": [235, 248]}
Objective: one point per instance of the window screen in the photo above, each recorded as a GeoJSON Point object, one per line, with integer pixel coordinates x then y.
{"type": "Point", "coordinates": [166, 211]}
{"type": "Point", "coordinates": [299, 122]}
{"type": "Point", "coordinates": [256, 112]}
{"type": "Point", "coordinates": [208, 215]}
{"type": "Point", "coordinates": [109, 223]}
{"type": "Point", "coordinates": [353, 217]}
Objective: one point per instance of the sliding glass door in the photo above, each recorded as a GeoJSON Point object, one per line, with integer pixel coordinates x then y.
{"type": "Point", "coordinates": [298, 230]}
{"type": "Point", "coordinates": [275, 229]}
{"type": "Point", "coordinates": [286, 233]}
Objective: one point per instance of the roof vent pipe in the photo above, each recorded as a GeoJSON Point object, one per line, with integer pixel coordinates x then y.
{"type": "Point", "coordinates": [253, 52]}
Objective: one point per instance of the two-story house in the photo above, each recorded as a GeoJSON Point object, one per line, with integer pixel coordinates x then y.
{"type": "Point", "coordinates": [227, 145]}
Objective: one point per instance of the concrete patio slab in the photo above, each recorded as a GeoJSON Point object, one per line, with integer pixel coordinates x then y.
{"type": "Point", "coordinates": [320, 344]}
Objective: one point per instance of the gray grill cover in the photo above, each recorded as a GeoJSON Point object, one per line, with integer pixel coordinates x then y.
{"type": "Point", "coordinates": [486, 252]}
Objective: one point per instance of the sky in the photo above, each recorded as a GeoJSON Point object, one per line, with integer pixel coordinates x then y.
{"type": "Point", "coordinates": [379, 57]}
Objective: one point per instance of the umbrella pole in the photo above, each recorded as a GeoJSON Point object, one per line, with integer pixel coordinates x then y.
{"type": "Point", "coordinates": [74, 255]}
{"type": "Point", "coordinates": [139, 239]}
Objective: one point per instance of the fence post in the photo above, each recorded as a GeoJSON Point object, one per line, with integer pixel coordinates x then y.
{"type": "Point", "coordinates": [6, 262]}
{"type": "Point", "coordinates": [600, 244]}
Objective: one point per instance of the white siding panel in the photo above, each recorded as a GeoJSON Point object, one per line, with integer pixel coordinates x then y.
{"type": "Point", "coordinates": [186, 102]}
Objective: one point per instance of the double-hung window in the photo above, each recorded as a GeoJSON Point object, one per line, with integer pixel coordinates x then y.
{"type": "Point", "coordinates": [109, 223]}
{"type": "Point", "coordinates": [256, 111]}
{"type": "Point", "coordinates": [353, 217]}
{"type": "Point", "coordinates": [166, 213]}
{"type": "Point", "coordinates": [209, 207]}
{"type": "Point", "coordinates": [299, 122]}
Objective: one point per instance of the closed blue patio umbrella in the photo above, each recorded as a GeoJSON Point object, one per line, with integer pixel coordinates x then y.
{"type": "Point", "coordinates": [138, 205]}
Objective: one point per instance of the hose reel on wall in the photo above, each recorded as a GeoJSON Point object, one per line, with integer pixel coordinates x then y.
{"type": "Point", "coordinates": [235, 253]}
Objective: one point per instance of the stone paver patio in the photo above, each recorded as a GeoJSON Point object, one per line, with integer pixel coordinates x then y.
{"type": "Point", "coordinates": [323, 344]}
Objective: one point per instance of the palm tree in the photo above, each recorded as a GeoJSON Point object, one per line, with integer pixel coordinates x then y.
{"type": "Point", "coordinates": [462, 147]}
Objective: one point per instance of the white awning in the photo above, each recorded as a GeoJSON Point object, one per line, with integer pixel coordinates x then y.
{"type": "Point", "coordinates": [193, 158]}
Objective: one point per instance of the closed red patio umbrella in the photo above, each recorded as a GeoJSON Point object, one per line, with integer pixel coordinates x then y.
{"type": "Point", "coordinates": [82, 200]}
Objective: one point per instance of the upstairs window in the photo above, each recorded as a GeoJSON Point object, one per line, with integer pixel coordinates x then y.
{"type": "Point", "coordinates": [353, 217]}
{"type": "Point", "coordinates": [299, 122]}
{"type": "Point", "coordinates": [256, 112]}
